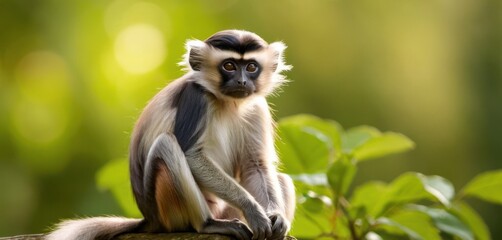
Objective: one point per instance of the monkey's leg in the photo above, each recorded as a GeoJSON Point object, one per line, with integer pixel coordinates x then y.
{"type": "Point", "coordinates": [180, 203]}
{"type": "Point", "coordinates": [288, 194]}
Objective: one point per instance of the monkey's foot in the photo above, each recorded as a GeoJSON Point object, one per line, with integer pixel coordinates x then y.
{"type": "Point", "coordinates": [234, 228]}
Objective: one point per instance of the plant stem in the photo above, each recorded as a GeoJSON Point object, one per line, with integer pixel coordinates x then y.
{"type": "Point", "coordinates": [352, 227]}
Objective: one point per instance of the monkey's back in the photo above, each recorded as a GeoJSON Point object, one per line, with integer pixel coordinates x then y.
{"type": "Point", "coordinates": [157, 118]}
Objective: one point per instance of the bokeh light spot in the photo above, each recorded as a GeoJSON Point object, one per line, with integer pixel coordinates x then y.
{"type": "Point", "coordinates": [140, 48]}
{"type": "Point", "coordinates": [40, 115]}
{"type": "Point", "coordinates": [43, 76]}
{"type": "Point", "coordinates": [37, 122]}
{"type": "Point", "coordinates": [122, 13]}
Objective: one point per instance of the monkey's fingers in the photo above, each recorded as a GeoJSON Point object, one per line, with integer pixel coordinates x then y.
{"type": "Point", "coordinates": [240, 232]}
{"type": "Point", "coordinates": [261, 227]}
{"type": "Point", "coordinates": [243, 230]}
{"type": "Point", "coordinates": [258, 222]}
{"type": "Point", "coordinates": [262, 233]}
{"type": "Point", "coordinates": [280, 227]}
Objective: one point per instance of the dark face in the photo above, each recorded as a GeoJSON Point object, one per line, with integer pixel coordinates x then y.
{"type": "Point", "coordinates": [239, 77]}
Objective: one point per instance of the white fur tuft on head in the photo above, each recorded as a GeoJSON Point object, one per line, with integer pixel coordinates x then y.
{"type": "Point", "coordinates": [278, 48]}
{"type": "Point", "coordinates": [190, 45]}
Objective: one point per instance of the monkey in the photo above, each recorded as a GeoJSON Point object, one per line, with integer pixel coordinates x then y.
{"type": "Point", "coordinates": [202, 155]}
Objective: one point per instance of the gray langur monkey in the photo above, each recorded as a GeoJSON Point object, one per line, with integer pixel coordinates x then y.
{"type": "Point", "coordinates": [202, 154]}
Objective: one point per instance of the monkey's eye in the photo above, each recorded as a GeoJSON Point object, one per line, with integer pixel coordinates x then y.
{"type": "Point", "coordinates": [252, 67]}
{"type": "Point", "coordinates": [229, 67]}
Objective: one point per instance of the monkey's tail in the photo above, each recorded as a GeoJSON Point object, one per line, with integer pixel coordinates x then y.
{"type": "Point", "coordinates": [94, 228]}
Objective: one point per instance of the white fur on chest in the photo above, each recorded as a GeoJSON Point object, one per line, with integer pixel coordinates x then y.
{"type": "Point", "coordinates": [224, 140]}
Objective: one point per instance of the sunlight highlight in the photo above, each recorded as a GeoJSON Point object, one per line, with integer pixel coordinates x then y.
{"type": "Point", "coordinates": [140, 48]}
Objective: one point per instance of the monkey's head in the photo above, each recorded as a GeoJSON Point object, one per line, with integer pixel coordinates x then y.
{"type": "Point", "coordinates": [235, 64]}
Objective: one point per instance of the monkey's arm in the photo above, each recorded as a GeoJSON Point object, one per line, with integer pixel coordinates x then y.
{"type": "Point", "coordinates": [258, 171]}
{"type": "Point", "coordinates": [210, 177]}
{"type": "Point", "coordinates": [262, 182]}
{"type": "Point", "coordinates": [274, 191]}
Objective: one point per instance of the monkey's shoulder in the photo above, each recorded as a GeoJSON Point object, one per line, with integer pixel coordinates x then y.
{"type": "Point", "coordinates": [187, 94]}
{"type": "Point", "coordinates": [191, 107]}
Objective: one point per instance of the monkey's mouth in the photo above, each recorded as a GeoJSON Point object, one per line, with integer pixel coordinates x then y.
{"type": "Point", "coordinates": [239, 93]}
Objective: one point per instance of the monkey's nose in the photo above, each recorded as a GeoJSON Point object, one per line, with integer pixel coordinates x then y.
{"type": "Point", "coordinates": [241, 82]}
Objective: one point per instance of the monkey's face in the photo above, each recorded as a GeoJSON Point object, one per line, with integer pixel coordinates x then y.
{"type": "Point", "coordinates": [236, 64]}
{"type": "Point", "coordinates": [238, 77]}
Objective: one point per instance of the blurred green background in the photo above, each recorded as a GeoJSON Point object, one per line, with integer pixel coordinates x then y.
{"type": "Point", "coordinates": [74, 76]}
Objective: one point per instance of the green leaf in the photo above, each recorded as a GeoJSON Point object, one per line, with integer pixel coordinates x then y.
{"type": "Point", "coordinates": [341, 228]}
{"type": "Point", "coordinates": [418, 222]}
{"type": "Point", "coordinates": [303, 188]}
{"type": "Point", "coordinates": [305, 183]}
{"type": "Point", "coordinates": [383, 235]}
{"type": "Point", "coordinates": [439, 187]}
{"type": "Point", "coordinates": [446, 222]}
{"type": "Point", "coordinates": [486, 186]}
{"type": "Point", "coordinates": [472, 219]}
{"type": "Point", "coordinates": [340, 175]}
{"type": "Point", "coordinates": [394, 227]}
{"type": "Point", "coordinates": [382, 145]}
{"type": "Point", "coordinates": [370, 197]}
{"type": "Point", "coordinates": [406, 188]}
{"type": "Point", "coordinates": [114, 176]}
{"type": "Point", "coordinates": [412, 187]}
{"type": "Point", "coordinates": [316, 179]}
{"type": "Point", "coordinates": [315, 203]}
{"type": "Point", "coordinates": [376, 197]}
{"type": "Point", "coordinates": [310, 225]}
{"type": "Point", "coordinates": [332, 129]}
{"type": "Point", "coordinates": [357, 136]}
{"type": "Point", "coordinates": [303, 149]}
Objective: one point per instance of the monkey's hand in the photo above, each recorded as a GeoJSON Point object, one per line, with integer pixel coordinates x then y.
{"type": "Point", "coordinates": [259, 223]}
{"type": "Point", "coordinates": [280, 226]}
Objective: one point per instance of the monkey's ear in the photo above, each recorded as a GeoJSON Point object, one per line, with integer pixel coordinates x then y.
{"type": "Point", "coordinates": [278, 53]}
{"type": "Point", "coordinates": [194, 56]}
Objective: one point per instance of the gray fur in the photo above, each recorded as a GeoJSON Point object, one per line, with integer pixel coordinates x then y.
{"type": "Point", "coordinates": [166, 148]}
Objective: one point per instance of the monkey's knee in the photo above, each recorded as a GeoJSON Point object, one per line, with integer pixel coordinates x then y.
{"type": "Point", "coordinates": [180, 202]}
{"type": "Point", "coordinates": [171, 208]}
{"type": "Point", "coordinates": [288, 194]}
